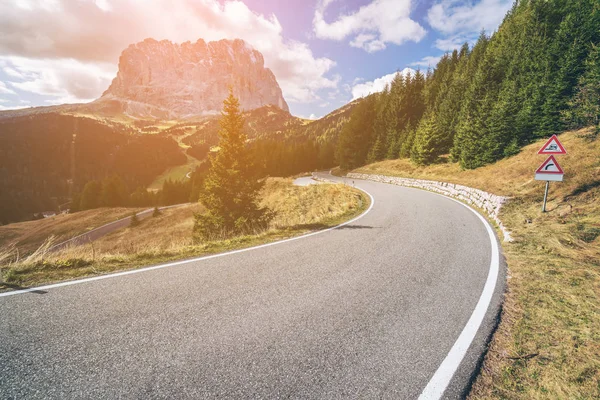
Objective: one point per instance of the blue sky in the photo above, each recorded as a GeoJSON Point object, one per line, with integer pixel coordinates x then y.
{"type": "Point", "coordinates": [324, 53]}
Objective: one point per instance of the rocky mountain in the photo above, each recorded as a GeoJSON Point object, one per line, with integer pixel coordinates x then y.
{"type": "Point", "coordinates": [169, 80]}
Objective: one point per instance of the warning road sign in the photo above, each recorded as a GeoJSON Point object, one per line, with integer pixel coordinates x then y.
{"type": "Point", "coordinates": [550, 170]}
{"type": "Point", "coordinates": [553, 146]}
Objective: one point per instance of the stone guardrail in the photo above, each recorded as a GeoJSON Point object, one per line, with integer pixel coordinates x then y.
{"type": "Point", "coordinates": [489, 203]}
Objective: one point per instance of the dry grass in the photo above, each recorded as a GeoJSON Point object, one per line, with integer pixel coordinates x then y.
{"type": "Point", "coordinates": [312, 205]}
{"type": "Point", "coordinates": [548, 343]}
{"type": "Point", "coordinates": [169, 236]}
{"type": "Point", "coordinates": [28, 236]}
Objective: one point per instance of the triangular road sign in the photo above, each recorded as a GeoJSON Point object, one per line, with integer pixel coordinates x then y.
{"type": "Point", "coordinates": [553, 146]}
{"type": "Point", "coordinates": [550, 170]}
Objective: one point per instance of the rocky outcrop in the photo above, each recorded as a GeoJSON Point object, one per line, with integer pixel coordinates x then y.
{"type": "Point", "coordinates": [487, 202]}
{"type": "Point", "coordinates": [165, 79]}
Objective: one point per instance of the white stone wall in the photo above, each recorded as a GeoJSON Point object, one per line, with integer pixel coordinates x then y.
{"type": "Point", "coordinates": [489, 203]}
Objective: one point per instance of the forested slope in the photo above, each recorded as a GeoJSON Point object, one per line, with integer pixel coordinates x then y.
{"type": "Point", "coordinates": [41, 155]}
{"type": "Point", "coordinates": [539, 74]}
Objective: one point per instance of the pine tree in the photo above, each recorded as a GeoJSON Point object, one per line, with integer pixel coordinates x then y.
{"type": "Point", "coordinates": [135, 221]}
{"type": "Point", "coordinates": [423, 150]}
{"type": "Point", "coordinates": [567, 51]}
{"type": "Point", "coordinates": [231, 187]}
{"type": "Point", "coordinates": [501, 123]}
{"type": "Point", "coordinates": [356, 137]}
{"type": "Point", "coordinates": [114, 192]}
{"type": "Point", "coordinates": [378, 150]}
{"type": "Point", "coordinates": [90, 197]}
{"type": "Point", "coordinates": [409, 137]}
{"type": "Point", "coordinates": [75, 203]}
{"type": "Point", "coordinates": [584, 108]}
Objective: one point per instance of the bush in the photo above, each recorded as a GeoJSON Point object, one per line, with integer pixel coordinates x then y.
{"type": "Point", "coordinates": [135, 221]}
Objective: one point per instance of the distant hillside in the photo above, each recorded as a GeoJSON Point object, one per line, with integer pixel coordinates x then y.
{"type": "Point", "coordinates": [269, 123]}
{"type": "Point", "coordinates": [36, 162]}
{"type": "Point", "coordinates": [40, 157]}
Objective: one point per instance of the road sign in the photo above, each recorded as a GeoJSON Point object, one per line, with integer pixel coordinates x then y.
{"type": "Point", "coordinates": [550, 170]}
{"type": "Point", "coordinates": [553, 146]}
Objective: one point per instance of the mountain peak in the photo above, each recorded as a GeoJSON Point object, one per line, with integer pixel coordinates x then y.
{"type": "Point", "coordinates": [162, 78]}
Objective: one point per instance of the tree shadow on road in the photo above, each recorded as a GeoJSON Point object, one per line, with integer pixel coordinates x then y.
{"type": "Point", "coordinates": [356, 227]}
{"type": "Point", "coordinates": [318, 227]}
{"type": "Point", "coordinates": [13, 286]}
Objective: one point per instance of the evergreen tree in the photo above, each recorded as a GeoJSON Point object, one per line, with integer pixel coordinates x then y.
{"type": "Point", "coordinates": [584, 108]}
{"type": "Point", "coordinates": [409, 138]}
{"type": "Point", "coordinates": [75, 203]}
{"type": "Point", "coordinates": [501, 123]}
{"type": "Point", "coordinates": [142, 197]}
{"type": "Point", "coordinates": [135, 221]}
{"type": "Point", "coordinates": [423, 150]}
{"type": "Point", "coordinates": [114, 192]}
{"type": "Point", "coordinates": [90, 196]}
{"type": "Point", "coordinates": [231, 188]}
{"type": "Point", "coordinates": [483, 104]}
{"type": "Point", "coordinates": [378, 150]}
{"type": "Point", "coordinates": [357, 134]}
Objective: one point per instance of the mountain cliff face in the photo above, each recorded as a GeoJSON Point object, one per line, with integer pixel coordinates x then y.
{"type": "Point", "coordinates": [168, 80]}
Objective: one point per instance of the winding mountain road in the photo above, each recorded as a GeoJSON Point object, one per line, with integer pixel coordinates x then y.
{"type": "Point", "coordinates": [397, 304]}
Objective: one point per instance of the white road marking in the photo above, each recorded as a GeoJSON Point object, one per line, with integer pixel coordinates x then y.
{"type": "Point", "coordinates": [137, 271]}
{"type": "Point", "coordinates": [442, 377]}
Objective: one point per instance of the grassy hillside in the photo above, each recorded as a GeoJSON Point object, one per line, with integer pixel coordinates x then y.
{"type": "Point", "coordinates": [169, 236]}
{"type": "Point", "coordinates": [29, 236]}
{"type": "Point", "coordinates": [548, 341]}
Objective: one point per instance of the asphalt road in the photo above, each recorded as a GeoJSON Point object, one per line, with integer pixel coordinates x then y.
{"type": "Point", "coordinates": [368, 310]}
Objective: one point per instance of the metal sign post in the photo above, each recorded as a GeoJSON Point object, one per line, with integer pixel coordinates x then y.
{"type": "Point", "coordinates": [546, 196]}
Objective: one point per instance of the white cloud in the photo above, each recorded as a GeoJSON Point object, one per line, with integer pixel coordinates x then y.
{"type": "Point", "coordinates": [4, 108]}
{"type": "Point", "coordinates": [65, 80]}
{"type": "Point", "coordinates": [377, 85]}
{"type": "Point", "coordinates": [94, 32]}
{"type": "Point", "coordinates": [462, 20]}
{"type": "Point", "coordinates": [455, 42]}
{"type": "Point", "coordinates": [427, 62]}
{"type": "Point", "coordinates": [372, 26]}
{"type": "Point", "coordinates": [12, 73]}
{"type": "Point", "coordinates": [104, 5]}
{"type": "Point", "coordinates": [311, 117]}
{"type": "Point", "coordinates": [5, 90]}
{"type": "Point", "coordinates": [369, 43]}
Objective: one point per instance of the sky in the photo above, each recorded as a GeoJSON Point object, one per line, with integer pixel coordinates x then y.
{"type": "Point", "coordinates": [324, 53]}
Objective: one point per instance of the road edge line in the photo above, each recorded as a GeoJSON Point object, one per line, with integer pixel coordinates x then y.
{"type": "Point", "coordinates": [442, 377]}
